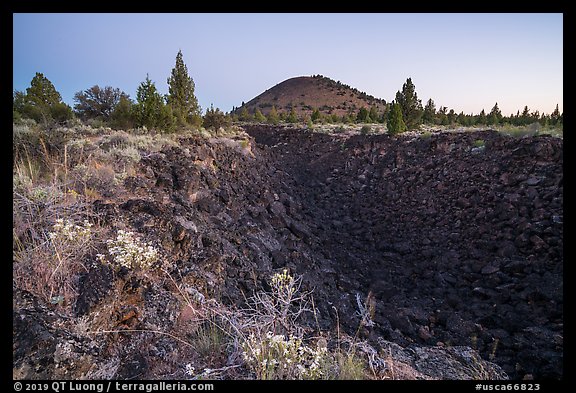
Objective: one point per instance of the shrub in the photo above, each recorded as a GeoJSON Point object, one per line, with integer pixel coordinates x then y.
{"type": "Point", "coordinates": [61, 112]}
{"type": "Point", "coordinates": [479, 143]}
{"type": "Point", "coordinates": [130, 252]}
{"type": "Point", "coordinates": [395, 123]}
{"type": "Point", "coordinates": [67, 233]}
{"type": "Point", "coordinates": [278, 357]}
{"type": "Point", "coordinates": [279, 309]}
{"type": "Point", "coordinates": [127, 155]}
{"type": "Point", "coordinates": [365, 130]}
{"type": "Point", "coordinates": [49, 268]}
{"type": "Point", "coordinates": [215, 119]}
{"type": "Point", "coordinates": [259, 117]}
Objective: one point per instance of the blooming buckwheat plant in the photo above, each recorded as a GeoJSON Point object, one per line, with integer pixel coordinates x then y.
{"type": "Point", "coordinates": [276, 357]}
{"type": "Point", "coordinates": [130, 252]}
{"type": "Point", "coordinates": [283, 284]}
{"type": "Point", "coordinates": [189, 370]}
{"type": "Point", "coordinates": [67, 232]}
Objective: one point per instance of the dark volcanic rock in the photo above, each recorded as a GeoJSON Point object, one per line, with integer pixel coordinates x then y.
{"type": "Point", "coordinates": [451, 233]}
{"type": "Point", "coordinates": [94, 285]}
{"type": "Point", "coordinates": [455, 248]}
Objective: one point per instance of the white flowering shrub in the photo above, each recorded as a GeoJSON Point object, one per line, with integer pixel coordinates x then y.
{"type": "Point", "coordinates": [189, 370]}
{"type": "Point", "coordinates": [278, 357]}
{"type": "Point", "coordinates": [69, 241]}
{"type": "Point", "coordinates": [284, 286]}
{"type": "Point", "coordinates": [130, 252]}
{"type": "Point", "coordinates": [65, 231]}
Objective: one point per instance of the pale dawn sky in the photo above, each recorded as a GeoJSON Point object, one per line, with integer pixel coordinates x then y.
{"type": "Point", "coordinates": [465, 62]}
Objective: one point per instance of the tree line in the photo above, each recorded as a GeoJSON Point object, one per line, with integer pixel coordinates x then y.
{"type": "Point", "coordinates": [407, 109]}
{"type": "Point", "coordinates": [110, 106]}
{"type": "Point", "coordinates": [404, 113]}
{"type": "Point", "coordinates": [179, 109]}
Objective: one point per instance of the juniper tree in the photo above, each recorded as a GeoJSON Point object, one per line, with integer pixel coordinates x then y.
{"type": "Point", "coordinates": [150, 110]}
{"type": "Point", "coordinates": [43, 102]}
{"type": "Point", "coordinates": [410, 105]}
{"type": "Point", "coordinates": [495, 115]}
{"type": "Point", "coordinates": [121, 117]}
{"type": "Point", "coordinates": [244, 115]}
{"type": "Point", "coordinates": [258, 116]}
{"type": "Point", "coordinates": [429, 114]}
{"type": "Point", "coordinates": [482, 118]}
{"type": "Point", "coordinates": [181, 96]}
{"type": "Point", "coordinates": [441, 117]}
{"type": "Point", "coordinates": [373, 115]}
{"type": "Point", "coordinates": [292, 118]}
{"type": "Point", "coordinates": [362, 116]}
{"type": "Point", "coordinates": [42, 92]}
{"type": "Point", "coordinates": [555, 117]}
{"type": "Point", "coordinates": [97, 102]}
{"type": "Point", "coordinates": [451, 117]}
{"type": "Point", "coordinates": [214, 119]}
{"type": "Point", "coordinates": [273, 116]}
{"type": "Point", "coordinates": [395, 123]}
{"type": "Point", "coordinates": [316, 116]}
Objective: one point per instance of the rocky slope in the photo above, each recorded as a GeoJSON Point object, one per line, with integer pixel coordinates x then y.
{"type": "Point", "coordinates": [459, 236]}
{"type": "Point", "coordinates": [459, 247]}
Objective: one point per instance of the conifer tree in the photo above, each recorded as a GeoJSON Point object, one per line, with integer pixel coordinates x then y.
{"type": "Point", "coordinates": [42, 92]}
{"type": "Point", "coordinates": [43, 102]}
{"type": "Point", "coordinates": [373, 115]}
{"type": "Point", "coordinates": [273, 116]}
{"type": "Point", "coordinates": [97, 102]}
{"type": "Point", "coordinates": [121, 117]}
{"type": "Point", "coordinates": [451, 117]}
{"type": "Point", "coordinates": [258, 116]}
{"type": "Point", "coordinates": [315, 115]}
{"type": "Point", "coordinates": [555, 117]}
{"type": "Point", "coordinates": [181, 96]}
{"type": "Point", "coordinates": [482, 118]}
{"type": "Point", "coordinates": [244, 115]}
{"type": "Point", "coordinates": [148, 110]}
{"type": "Point", "coordinates": [429, 114]}
{"type": "Point", "coordinates": [410, 105]}
{"type": "Point", "coordinates": [362, 116]}
{"type": "Point", "coordinates": [214, 119]}
{"type": "Point", "coordinates": [395, 123]}
{"type": "Point", "coordinates": [495, 115]}
{"type": "Point", "coordinates": [292, 118]}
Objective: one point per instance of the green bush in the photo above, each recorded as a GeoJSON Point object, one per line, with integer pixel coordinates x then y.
{"type": "Point", "coordinates": [479, 143]}
{"type": "Point", "coordinates": [365, 130]}
{"type": "Point", "coordinates": [214, 119]}
{"type": "Point", "coordinates": [395, 123]}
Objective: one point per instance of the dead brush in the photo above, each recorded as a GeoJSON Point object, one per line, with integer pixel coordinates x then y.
{"type": "Point", "coordinates": [278, 311]}
{"type": "Point", "coordinates": [51, 268]}
{"type": "Point", "coordinates": [44, 266]}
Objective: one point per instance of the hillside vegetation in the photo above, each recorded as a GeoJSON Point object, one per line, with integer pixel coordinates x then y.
{"type": "Point", "coordinates": [305, 94]}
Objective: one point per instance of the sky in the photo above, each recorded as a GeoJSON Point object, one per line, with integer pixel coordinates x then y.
{"type": "Point", "coordinates": [466, 62]}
